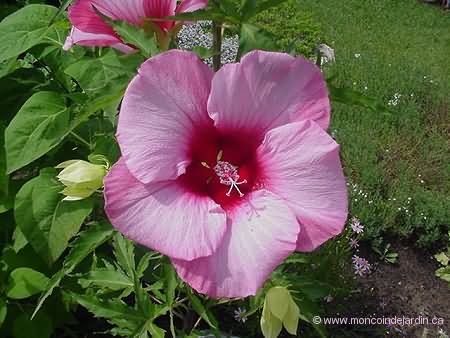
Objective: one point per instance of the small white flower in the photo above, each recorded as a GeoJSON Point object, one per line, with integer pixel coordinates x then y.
{"type": "Point", "coordinates": [356, 225]}
{"type": "Point", "coordinates": [357, 55]}
{"type": "Point", "coordinates": [240, 315]}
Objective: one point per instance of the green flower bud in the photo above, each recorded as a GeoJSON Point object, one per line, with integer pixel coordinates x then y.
{"type": "Point", "coordinates": [81, 178]}
{"type": "Point", "coordinates": [279, 310]}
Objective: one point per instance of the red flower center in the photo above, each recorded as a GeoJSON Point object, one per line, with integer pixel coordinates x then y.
{"type": "Point", "coordinates": [224, 165]}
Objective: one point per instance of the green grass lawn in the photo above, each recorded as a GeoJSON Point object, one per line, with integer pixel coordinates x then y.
{"type": "Point", "coordinates": [398, 164]}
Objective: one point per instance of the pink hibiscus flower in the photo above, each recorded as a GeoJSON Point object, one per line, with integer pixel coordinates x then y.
{"type": "Point", "coordinates": [90, 30]}
{"type": "Point", "coordinates": [227, 173]}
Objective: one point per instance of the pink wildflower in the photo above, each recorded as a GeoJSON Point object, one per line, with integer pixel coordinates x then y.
{"type": "Point", "coordinates": [227, 173]}
{"type": "Point", "coordinates": [89, 29]}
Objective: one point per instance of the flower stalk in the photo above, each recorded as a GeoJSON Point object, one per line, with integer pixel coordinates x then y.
{"type": "Point", "coordinates": [217, 45]}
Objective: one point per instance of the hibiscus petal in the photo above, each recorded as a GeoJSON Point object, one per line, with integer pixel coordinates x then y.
{"type": "Point", "coordinates": [191, 5]}
{"type": "Point", "coordinates": [261, 233]}
{"type": "Point", "coordinates": [162, 216]}
{"type": "Point", "coordinates": [83, 16]}
{"type": "Point", "coordinates": [266, 90]}
{"type": "Point", "coordinates": [301, 164]}
{"type": "Point", "coordinates": [78, 37]}
{"type": "Point", "coordinates": [160, 8]}
{"type": "Point", "coordinates": [162, 109]}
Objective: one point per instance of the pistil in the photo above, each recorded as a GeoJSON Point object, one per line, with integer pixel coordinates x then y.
{"type": "Point", "coordinates": [228, 175]}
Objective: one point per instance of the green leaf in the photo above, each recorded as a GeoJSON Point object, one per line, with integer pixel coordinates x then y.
{"type": "Point", "coordinates": [39, 126]}
{"type": "Point", "coordinates": [155, 331]}
{"type": "Point", "coordinates": [24, 29]}
{"type": "Point", "coordinates": [124, 253]}
{"type": "Point", "coordinates": [3, 311]}
{"type": "Point", "coordinates": [106, 74]}
{"type": "Point", "coordinates": [443, 273]}
{"type": "Point", "coordinates": [62, 8]}
{"type": "Point", "coordinates": [39, 327]}
{"type": "Point", "coordinates": [17, 87]}
{"type": "Point", "coordinates": [247, 9]}
{"type": "Point", "coordinates": [230, 8]}
{"type": "Point", "coordinates": [113, 310]}
{"type": "Point", "coordinates": [442, 258]}
{"type": "Point", "coordinates": [19, 240]}
{"type": "Point", "coordinates": [202, 311]}
{"type": "Point", "coordinates": [104, 278]}
{"type": "Point", "coordinates": [253, 37]}
{"type": "Point", "coordinates": [353, 97]}
{"type": "Point", "coordinates": [9, 66]}
{"type": "Point", "coordinates": [85, 244]}
{"type": "Point", "coordinates": [25, 282]}
{"type": "Point", "coordinates": [133, 35]}
{"type": "Point", "coordinates": [109, 309]}
{"type": "Point", "coordinates": [47, 222]}
{"type": "Point", "coordinates": [143, 264]}
{"type": "Point", "coordinates": [170, 282]}
{"type": "Point", "coordinates": [204, 53]}
{"type": "Point", "coordinates": [5, 199]}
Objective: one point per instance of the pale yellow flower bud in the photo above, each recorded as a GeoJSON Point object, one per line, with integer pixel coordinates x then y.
{"type": "Point", "coordinates": [81, 178]}
{"type": "Point", "coordinates": [279, 310]}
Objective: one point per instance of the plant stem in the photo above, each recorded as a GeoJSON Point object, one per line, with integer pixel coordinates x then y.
{"type": "Point", "coordinates": [217, 45]}
{"type": "Point", "coordinates": [82, 140]}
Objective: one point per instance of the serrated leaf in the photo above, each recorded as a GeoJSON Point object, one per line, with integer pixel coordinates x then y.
{"type": "Point", "coordinates": [253, 37]}
{"type": "Point", "coordinates": [24, 29]}
{"type": "Point", "coordinates": [124, 253]}
{"type": "Point", "coordinates": [202, 311]}
{"type": "Point", "coordinates": [25, 282]}
{"type": "Point", "coordinates": [156, 331]}
{"type": "Point", "coordinates": [39, 126]}
{"type": "Point", "coordinates": [170, 282]}
{"type": "Point", "coordinates": [143, 264]}
{"type": "Point", "coordinates": [47, 222]}
{"type": "Point", "coordinates": [86, 243]}
{"type": "Point", "coordinates": [109, 279]}
{"type": "Point", "coordinates": [108, 309]}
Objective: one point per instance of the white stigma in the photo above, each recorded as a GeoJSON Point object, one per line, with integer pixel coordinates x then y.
{"type": "Point", "coordinates": [228, 175]}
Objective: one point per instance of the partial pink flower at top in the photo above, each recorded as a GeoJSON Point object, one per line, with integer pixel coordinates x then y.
{"type": "Point", "coordinates": [227, 173]}
{"type": "Point", "coordinates": [89, 29]}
